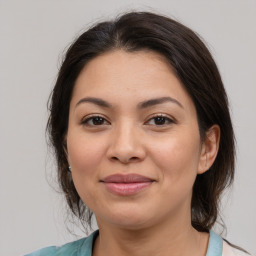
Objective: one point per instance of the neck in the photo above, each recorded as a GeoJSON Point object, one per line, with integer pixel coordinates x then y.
{"type": "Point", "coordinates": [179, 239]}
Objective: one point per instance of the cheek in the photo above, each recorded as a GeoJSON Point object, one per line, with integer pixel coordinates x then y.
{"type": "Point", "coordinates": [177, 157]}
{"type": "Point", "coordinates": [84, 155]}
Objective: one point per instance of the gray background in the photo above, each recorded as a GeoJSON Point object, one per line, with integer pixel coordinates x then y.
{"type": "Point", "coordinates": [34, 35]}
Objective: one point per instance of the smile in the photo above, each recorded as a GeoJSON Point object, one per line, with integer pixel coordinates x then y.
{"type": "Point", "coordinates": [126, 185]}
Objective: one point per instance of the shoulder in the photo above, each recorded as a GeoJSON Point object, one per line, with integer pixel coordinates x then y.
{"type": "Point", "coordinates": [219, 246]}
{"type": "Point", "coordinates": [228, 250]}
{"type": "Point", "coordinates": [79, 247]}
{"type": "Point", "coordinates": [66, 249]}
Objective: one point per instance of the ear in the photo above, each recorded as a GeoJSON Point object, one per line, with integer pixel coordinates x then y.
{"type": "Point", "coordinates": [65, 148]}
{"type": "Point", "coordinates": [209, 150]}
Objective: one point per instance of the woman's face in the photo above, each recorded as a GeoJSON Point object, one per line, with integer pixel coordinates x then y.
{"type": "Point", "coordinates": [133, 140]}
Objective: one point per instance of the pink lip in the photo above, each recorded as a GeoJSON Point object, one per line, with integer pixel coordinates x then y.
{"type": "Point", "coordinates": [126, 184]}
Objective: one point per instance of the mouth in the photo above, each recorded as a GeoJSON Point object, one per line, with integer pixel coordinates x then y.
{"type": "Point", "coordinates": [126, 185]}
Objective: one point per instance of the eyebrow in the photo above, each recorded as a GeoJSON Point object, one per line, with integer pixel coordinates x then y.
{"type": "Point", "coordinates": [141, 105]}
{"type": "Point", "coordinates": [152, 102]}
{"type": "Point", "coordinates": [96, 101]}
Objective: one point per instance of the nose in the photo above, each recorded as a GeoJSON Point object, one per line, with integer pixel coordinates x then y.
{"type": "Point", "coordinates": [126, 144]}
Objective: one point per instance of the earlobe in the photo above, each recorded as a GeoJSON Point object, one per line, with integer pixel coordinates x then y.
{"type": "Point", "coordinates": [210, 148]}
{"type": "Point", "coordinates": [67, 157]}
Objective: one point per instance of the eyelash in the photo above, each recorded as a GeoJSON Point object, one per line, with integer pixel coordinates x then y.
{"type": "Point", "coordinates": [166, 118]}
{"type": "Point", "coordinates": [91, 118]}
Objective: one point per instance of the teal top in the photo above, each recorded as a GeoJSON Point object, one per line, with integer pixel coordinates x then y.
{"type": "Point", "coordinates": [83, 247]}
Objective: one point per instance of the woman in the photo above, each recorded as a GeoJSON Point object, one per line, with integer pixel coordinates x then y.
{"type": "Point", "coordinates": [143, 139]}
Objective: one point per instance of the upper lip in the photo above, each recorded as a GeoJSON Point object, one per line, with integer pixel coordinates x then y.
{"type": "Point", "coordinates": [126, 178]}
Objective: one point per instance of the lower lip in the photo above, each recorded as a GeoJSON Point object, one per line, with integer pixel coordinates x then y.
{"type": "Point", "coordinates": [126, 189]}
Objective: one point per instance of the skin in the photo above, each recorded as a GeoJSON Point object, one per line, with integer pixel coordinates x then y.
{"type": "Point", "coordinates": [128, 139]}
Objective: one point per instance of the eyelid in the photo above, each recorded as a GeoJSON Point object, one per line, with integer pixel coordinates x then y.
{"type": "Point", "coordinates": [85, 119]}
{"type": "Point", "coordinates": [170, 119]}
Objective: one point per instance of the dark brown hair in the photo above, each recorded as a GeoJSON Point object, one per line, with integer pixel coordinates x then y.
{"type": "Point", "coordinates": [194, 66]}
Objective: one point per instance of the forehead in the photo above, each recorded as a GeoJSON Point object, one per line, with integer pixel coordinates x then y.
{"type": "Point", "coordinates": [123, 75]}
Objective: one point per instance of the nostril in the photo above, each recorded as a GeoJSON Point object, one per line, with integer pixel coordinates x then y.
{"type": "Point", "coordinates": [125, 160]}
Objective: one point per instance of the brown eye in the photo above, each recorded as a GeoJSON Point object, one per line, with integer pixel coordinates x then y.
{"type": "Point", "coordinates": [160, 120]}
{"type": "Point", "coordinates": [95, 121]}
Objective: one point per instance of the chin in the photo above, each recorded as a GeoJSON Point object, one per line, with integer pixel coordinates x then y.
{"type": "Point", "coordinates": [129, 219]}
{"type": "Point", "coordinates": [132, 225]}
